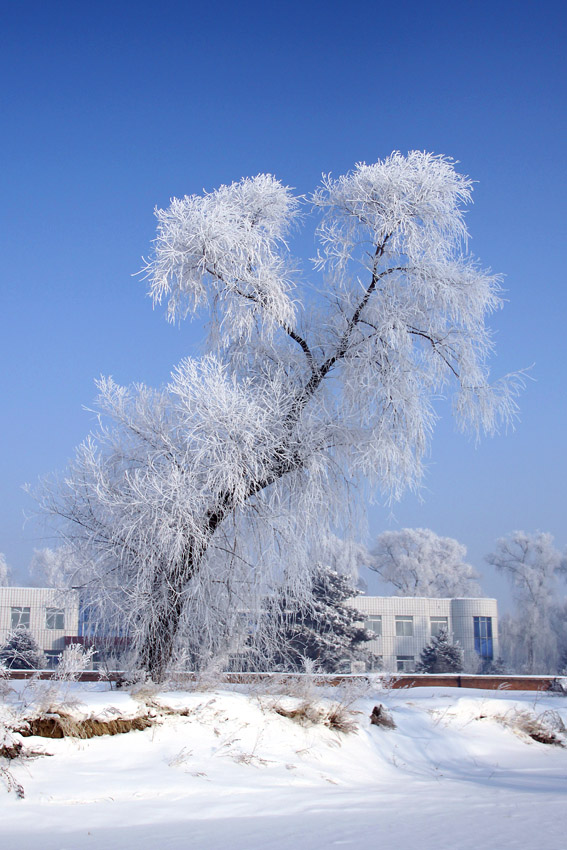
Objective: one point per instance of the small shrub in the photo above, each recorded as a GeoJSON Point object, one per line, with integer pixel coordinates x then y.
{"type": "Point", "coordinates": [73, 661]}
{"type": "Point", "coordinates": [491, 667]}
{"type": "Point", "coordinates": [21, 651]}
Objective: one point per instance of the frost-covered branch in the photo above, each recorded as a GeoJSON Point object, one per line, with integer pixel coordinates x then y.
{"type": "Point", "coordinates": [417, 562]}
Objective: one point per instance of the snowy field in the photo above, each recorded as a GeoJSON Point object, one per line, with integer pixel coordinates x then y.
{"type": "Point", "coordinates": [456, 772]}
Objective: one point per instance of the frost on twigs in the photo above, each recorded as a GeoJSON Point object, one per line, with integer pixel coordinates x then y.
{"type": "Point", "coordinates": [192, 508]}
{"type": "Point", "coordinates": [418, 562]}
{"type": "Point", "coordinates": [226, 248]}
{"type": "Point", "coordinates": [12, 751]}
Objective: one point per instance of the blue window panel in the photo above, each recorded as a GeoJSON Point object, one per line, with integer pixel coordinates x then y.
{"type": "Point", "coordinates": [483, 637]}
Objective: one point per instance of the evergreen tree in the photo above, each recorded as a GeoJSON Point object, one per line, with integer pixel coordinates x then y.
{"type": "Point", "coordinates": [441, 656]}
{"type": "Point", "coordinates": [326, 631]}
{"type": "Point", "coordinates": [21, 651]}
{"type": "Point", "coordinates": [492, 667]}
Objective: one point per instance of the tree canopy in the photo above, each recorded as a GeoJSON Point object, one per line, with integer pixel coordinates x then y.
{"type": "Point", "coordinates": [535, 638]}
{"type": "Point", "coordinates": [417, 562]}
{"type": "Point", "coordinates": [315, 390]}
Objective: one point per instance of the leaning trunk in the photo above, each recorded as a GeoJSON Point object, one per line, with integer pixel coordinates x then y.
{"type": "Point", "coordinates": [159, 636]}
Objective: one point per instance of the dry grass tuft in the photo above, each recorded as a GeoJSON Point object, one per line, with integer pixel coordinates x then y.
{"type": "Point", "coordinates": [61, 725]}
{"type": "Point", "coordinates": [545, 728]}
{"type": "Point", "coordinates": [334, 716]}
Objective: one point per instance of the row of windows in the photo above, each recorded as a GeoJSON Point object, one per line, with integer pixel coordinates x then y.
{"type": "Point", "coordinates": [483, 642]}
{"type": "Point", "coordinates": [404, 625]}
{"type": "Point", "coordinates": [54, 617]}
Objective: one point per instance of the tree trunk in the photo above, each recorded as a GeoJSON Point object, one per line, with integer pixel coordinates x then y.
{"type": "Point", "coordinates": [160, 633]}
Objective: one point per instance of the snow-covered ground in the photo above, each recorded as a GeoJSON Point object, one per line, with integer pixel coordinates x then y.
{"type": "Point", "coordinates": [234, 774]}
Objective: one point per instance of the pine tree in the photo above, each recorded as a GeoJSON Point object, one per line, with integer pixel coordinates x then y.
{"type": "Point", "coordinates": [21, 651]}
{"type": "Point", "coordinates": [326, 632]}
{"type": "Point", "coordinates": [492, 667]}
{"type": "Point", "coordinates": [441, 656]}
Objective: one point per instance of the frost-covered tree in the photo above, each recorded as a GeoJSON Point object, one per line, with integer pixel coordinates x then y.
{"type": "Point", "coordinates": [325, 630]}
{"type": "Point", "coordinates": [21, 651]}
{"type": "Point", "coordinates": [531, 563]}
{"type": "Point", "coordinates": [417, 562]}
{"type": "Point", "coordinates": [187, 500]}
{"type": "Point", "coordinates": [55, 567]}
{"type": "Point", "coordinates": [4, 571]}
{"type": "Point", "coordinates": [441, 655]}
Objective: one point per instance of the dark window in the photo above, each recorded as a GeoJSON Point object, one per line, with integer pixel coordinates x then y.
{"type": "Point", "coordinates": [52, 658]}
{"type": "Point", "coordinates": [405, 663]}
{"type": "Point", "coordinates": [374, 624]}
{"type": "Point", "coordinates": [483, 637]}
{"type": "Point", "coordinates": [54, 618]}
{"type": "Point", "coordinates": [439, 624]}
{"type": "Point", "coordinates": [404, 626]}
{"type": "Point", "coordinates": [20, 617]}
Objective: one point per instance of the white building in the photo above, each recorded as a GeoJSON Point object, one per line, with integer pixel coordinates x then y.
{"type": "Point", "coordinates": [51, 616]}
{"type": "Point", "coordinates": [403, 626]}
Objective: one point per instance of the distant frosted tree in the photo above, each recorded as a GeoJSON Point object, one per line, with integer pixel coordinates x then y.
{"type": "Point", "coordinates": [326, 630]}
{"type": "Point", "coordinates": [311, 394]}
{"type": "Point", "coordinates": [21, 651]}
{"type": "Point", "coordinates": [417, 562]}
{"type": "Point", "coordinates": [531, 563]}
{"type": "Point", "coordinates": [4, 571]}
{"type": "Point", "coordinates": [441, 655]}
{"type": "Point", "coordinates": [55, 567]}
{"type": "Point", "coordinates": [559, 628]}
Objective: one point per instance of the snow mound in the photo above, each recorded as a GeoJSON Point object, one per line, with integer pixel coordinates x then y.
{"type": "Point", "coordinates": [272, 771]}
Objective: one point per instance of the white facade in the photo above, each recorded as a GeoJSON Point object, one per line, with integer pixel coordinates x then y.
{"type": "Point", "coordinates": [50, 614]}
{"type": "Point", "coordinates": [405, 625]}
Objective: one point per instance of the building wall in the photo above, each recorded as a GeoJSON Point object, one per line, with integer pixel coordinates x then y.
{"type": "Point", "coordinates": [38, 600]}
{"type": "Point", "coordinates": [459, 614]}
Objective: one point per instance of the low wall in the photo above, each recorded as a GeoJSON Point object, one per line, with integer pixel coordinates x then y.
{"type": "Point", "coordinates": [448, 680]}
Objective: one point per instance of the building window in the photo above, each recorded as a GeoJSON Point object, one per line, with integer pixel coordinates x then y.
{"type": "Point", "coordinates": [52, 659]}
{"type": "Point", "coordinates": [20, 617]}
{"type": "Point", "coordinates": [374, 664]}
{"type": "Point", "coordinates": [404, 627]}
{"type": "Point", "coordinates": [405, 663]}
{"type": "Point", "coordinates": [483, 637]}
{"type": "Point", "coordinates": [439, 624]}
{"type": "Point", "coordinates": [374, 624]}
{"type": "Point", "coordinates": [54, 618]}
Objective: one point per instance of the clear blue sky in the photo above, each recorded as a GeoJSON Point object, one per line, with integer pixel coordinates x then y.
{"type": "Point", "coordinates": [109, 109]}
